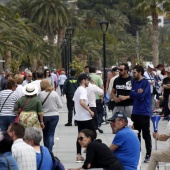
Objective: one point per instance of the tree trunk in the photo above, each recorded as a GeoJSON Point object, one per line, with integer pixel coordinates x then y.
{"type": "Point", "coordinates": [51, 38]}
{"type": "Point", "coordinates": [133, 61]}
{"type": "Point", "coordinates": [34, 65]}
{"type": "Point", "coordinates": [40, 64]}
{"type": "Point", "coordinates": [7, 60]}
{"type": "Point", "coordinates": [155, 35]}
{"type": "Point", "coordinates": [1, 63]}
{"type": "Point", "coordinates": [60, 36]}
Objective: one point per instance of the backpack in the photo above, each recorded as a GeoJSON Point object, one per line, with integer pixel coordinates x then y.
{"type": "Point", "coordinates": [57, 165]}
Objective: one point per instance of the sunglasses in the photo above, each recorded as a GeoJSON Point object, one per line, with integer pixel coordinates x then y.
{"type": "Point", "coordinates": [120, 69]}
{"type": "Point", "coordinates": [81, 138]}
{"type": "Point", "coordinates": [29, 76]}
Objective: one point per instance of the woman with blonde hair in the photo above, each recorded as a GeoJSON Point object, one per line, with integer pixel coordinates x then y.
{"type": "Point", "coordinates": [51, 102]}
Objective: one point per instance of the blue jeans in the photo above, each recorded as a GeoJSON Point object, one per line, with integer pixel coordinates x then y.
{"type": "Point", "coordinates": [50, 123]}
{"type": "Point", "coordinates": [5, 121]}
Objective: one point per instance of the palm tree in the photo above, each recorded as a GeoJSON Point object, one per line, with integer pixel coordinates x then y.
{"type": "Point", "coordinates": [164, 40]}
{"type": "Point", "coordinates": [114, 17]}
{"type": "Point", "coordinates": [83, 44]}
{"type": "Point", "coordinates": [19, 42]}
{"type": "Point", "coordinates": [153, 8]}
{"type": "Point", "coordinates": [22, 7]}
{"type": "Point", "coordinates": [52, 16]}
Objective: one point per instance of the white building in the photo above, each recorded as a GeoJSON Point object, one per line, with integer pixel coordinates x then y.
{"type": "Point", "coordinates": [162, 21]}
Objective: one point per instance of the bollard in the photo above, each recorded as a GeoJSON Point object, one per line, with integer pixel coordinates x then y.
{"type": "Point", "coordinates": [155, 119]}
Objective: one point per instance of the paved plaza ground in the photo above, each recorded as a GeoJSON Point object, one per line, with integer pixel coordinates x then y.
{"type": "Point", "coordinates": [65, 140]}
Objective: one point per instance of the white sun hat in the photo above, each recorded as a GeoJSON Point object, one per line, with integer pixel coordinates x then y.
{"type": "Point", "coordinates": [30, 89]}
{"type": "Point", "coordinates": [151, 66]}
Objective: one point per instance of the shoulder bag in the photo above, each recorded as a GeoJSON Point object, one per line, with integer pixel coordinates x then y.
{"type": "Point", "coordinates": [46, 97]}
{"type": "Point", "coordinates": [21, 109]}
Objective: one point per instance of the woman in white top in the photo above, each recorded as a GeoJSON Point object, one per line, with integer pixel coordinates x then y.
{"type": "Point", "coordinates": [50, 103]}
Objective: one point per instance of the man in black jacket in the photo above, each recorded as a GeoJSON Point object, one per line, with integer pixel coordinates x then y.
{"type": "Point", "coordinates": [69, 89]}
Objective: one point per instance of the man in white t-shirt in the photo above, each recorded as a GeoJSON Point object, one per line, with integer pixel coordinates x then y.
{"type": "Point", "coordinates": [83, 114]}
{"type": "Point", "coordinates": [40, 76]}
{"type": "Point", "coordinates": [160, 155]}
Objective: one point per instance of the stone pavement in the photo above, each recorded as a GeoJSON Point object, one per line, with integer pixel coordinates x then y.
{"type": "Point", "coordinates": [65, 140]}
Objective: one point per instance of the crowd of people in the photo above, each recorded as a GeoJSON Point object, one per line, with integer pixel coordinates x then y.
{"type": "Point", "coordinates": [29, 112]}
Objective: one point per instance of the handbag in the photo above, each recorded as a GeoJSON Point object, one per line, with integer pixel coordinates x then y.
{"type": "Point", "coordinates": [5, 101]}
{"type": "Point", "coordinates": [21, 109]}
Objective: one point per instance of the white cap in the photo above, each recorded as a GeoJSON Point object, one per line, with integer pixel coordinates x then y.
{"type": "Point", "coordinates": [98, 72]}
{"type": "Point", "coordinates": [151, 66]}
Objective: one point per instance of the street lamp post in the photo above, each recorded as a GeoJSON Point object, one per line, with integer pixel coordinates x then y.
{"type": "Point", "coordinates": [63, 55]}
{"type": "Point", "coordinates": [69, 34]}
{"type": "Point", "coordinates": [104, 26]}
{"type": "Point", "coordinates": [66, 58]}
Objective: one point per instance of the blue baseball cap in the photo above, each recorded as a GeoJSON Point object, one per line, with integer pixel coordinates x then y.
{"type": "Point", "coordinates": [118, 115]}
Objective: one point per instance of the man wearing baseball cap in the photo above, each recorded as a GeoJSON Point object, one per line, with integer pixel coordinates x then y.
{"type": "Point", "coordinates": [123, 141]}
{"type": "Point", "coordinates": [83, 114]}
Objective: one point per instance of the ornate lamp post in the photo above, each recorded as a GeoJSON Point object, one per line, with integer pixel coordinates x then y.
{"type": "Point", "coordinates": [104, 26]}
{"type": "Point", "coordinates": [69, 34]}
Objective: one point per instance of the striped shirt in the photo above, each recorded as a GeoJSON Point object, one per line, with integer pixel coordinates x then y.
{"type": "Point", "coordinates": [8, 108]}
